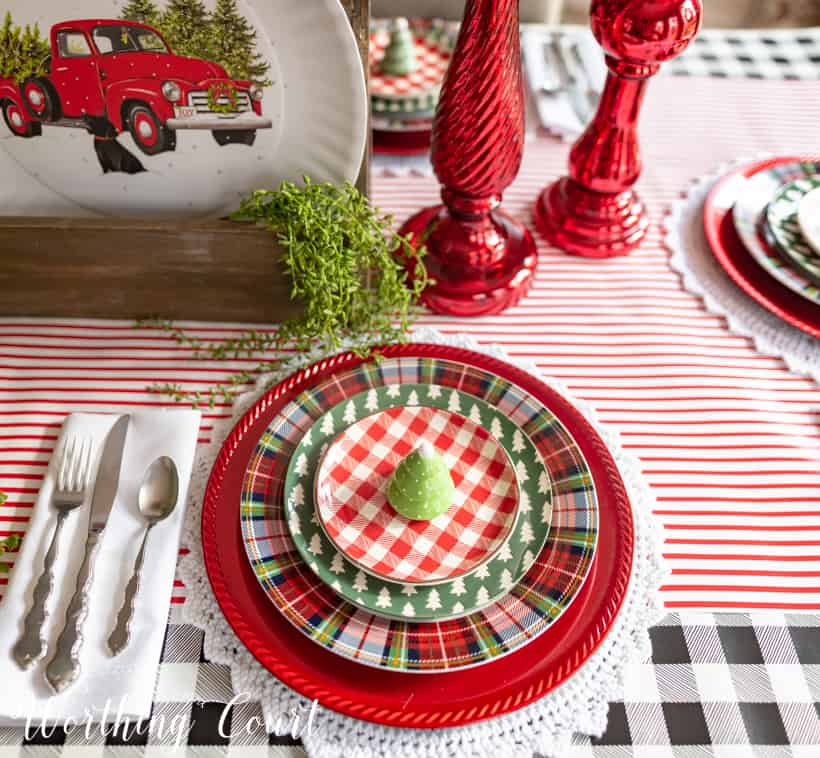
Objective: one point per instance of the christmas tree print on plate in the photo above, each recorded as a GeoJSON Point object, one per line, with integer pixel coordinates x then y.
{"type": "Point", "coordinates": [404, 643]}
{"type": "Point", "coordinates": [157, 107]}
{"type": "Point", "coordinates": [459, 596]}
{"type": "Point", "coordinates": [749, 216]}
{"type": "Point", "coordinates": [783, 226]}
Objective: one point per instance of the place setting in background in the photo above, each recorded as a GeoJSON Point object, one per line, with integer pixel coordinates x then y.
{"type": "Point", "coordinates": [408, 61]}
{"type": "Point", "coordinates": [85, 610]}
{"type": "Point", "coordinates": [757, 225]}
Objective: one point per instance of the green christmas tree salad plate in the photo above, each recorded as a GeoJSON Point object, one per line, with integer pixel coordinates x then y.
{"type": "Point", "coordinates": [490, 579]}
{"type": "Point", "coordinates": [408, 61]}
{"type": "Point", "coordinates": [749, 216]}
{"type": "Point", "coordinates": [411, 644]}
{"type": "Point", "coordinates": [781, 218]}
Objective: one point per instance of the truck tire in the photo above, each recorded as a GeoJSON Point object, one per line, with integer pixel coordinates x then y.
{"type": "Point", "coordinates": [40, 99]}
{"type": "Point", "coordinates": [229, 137]}
{"type": "Point", "coordinates": [17, 123]}
{"type": "Point", "coordinates": [151, 136]}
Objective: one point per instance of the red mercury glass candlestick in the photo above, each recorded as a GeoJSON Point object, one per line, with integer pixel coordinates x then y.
{"type": "Point", "coordinates": [482, 260]}
{"type": "Point", "coordinates": [594, 211]}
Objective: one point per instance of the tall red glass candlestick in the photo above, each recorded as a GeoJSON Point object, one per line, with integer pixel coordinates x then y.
{"type": "Point", "coordinates": [482, 260]}
{"type": "Point", "coordinates": [594, 211]}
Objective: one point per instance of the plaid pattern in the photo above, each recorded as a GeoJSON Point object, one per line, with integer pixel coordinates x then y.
{"type": "Point", "coordinates": [450, 599]}
{"type": "Point", "coordinates": [352, 502]}
{"type": "Point", "coordinates": [418, 91]}
{"type": "Point", "coordinates": [545, 592]}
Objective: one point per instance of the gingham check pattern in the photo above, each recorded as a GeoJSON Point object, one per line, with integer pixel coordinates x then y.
{"type": "Point", "coordinates": [755, 54]}
{"type": "Point", "coordinates": [353, 507]}
{"type": "Point", "coordinates": [715, 686]}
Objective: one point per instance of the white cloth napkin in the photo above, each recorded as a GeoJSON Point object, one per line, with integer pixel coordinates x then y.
{"type": "Point", "coordinates": [555, 111]}
{"type": "Point", "coordinates": [108, 688]}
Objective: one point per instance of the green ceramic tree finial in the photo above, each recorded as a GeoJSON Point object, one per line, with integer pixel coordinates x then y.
{"type": "Point", "coordinates": [400, 54]}
{"type": "Point", "coordinates": [421, 487]}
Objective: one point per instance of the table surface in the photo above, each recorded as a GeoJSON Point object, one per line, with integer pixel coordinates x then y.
{"type": "Point", "coordinates": [717, 425]}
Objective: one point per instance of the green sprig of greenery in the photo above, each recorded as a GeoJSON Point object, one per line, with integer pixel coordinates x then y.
{"type": "Point", "coordinates": [347, 268]}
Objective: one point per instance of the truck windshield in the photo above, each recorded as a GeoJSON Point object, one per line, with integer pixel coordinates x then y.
{"type": "Point", "coordinates": [127, 39]}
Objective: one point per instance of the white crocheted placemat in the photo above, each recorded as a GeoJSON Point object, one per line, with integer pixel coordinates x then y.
{"type": "Point", "coordinates": [578, 705]}
{"type": "Point", "coordinates": [704, 276]}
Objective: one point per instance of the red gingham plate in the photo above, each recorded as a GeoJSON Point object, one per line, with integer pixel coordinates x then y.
{"type": "Point", "coordinates": [737, 261]}
{"type": "Point", "coordinates": [403, 699]}
{"type": "Point", "coordinates": [352, 506]}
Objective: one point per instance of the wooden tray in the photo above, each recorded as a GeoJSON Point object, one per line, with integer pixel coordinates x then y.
{"type": "Point", "coordinates": [118, 268]}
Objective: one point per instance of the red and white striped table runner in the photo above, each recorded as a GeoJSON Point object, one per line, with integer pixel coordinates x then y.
{"type": "Point", "coordinates": [730, 440]}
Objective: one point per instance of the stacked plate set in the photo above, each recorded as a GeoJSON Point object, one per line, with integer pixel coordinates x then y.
{"type": "Point", "coordinates": [762, 222]}
{"type": "Point", "coordinates": [405, 92]}
{"type": "Point", "coordinates": [418, 622]}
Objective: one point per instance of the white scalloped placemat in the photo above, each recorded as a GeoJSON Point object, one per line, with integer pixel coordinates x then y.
{"type": "Point", "coordinates": [704, 276]}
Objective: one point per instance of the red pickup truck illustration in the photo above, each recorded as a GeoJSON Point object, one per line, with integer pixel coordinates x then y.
{"type": "Point", "coordinates": [113, 76]}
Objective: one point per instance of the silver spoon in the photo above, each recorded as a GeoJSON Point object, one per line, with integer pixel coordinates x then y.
{"type": "Point", "coordinates": [157, 498]}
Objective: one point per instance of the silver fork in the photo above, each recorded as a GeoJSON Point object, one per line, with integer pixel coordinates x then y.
{"type": "Point", "coordinates": [69, 493]}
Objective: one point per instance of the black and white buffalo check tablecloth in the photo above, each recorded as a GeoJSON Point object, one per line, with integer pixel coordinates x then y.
{"type": "Point", "coordinates": [721, 686]}
{"type": "Point", "coordinates": [717, 686]}
{"type": "Point", "coordinates": [755, 54]}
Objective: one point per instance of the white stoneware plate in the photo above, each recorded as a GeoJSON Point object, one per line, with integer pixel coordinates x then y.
{"type": "Point", "coordinates": [315, 102]}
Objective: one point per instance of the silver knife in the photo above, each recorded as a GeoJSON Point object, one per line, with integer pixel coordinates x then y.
{"type": "Point", "coordinates": [64, 667]}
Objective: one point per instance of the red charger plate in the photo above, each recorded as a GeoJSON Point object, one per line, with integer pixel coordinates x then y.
{"type": "Point", "coordinates": [413, 700]}
{"type": "Point", "coordinates": [738, 262]}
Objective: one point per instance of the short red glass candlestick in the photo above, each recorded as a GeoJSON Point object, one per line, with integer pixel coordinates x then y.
{"type": "Point", "coordinates": [482, 260]}
{"type": "Point", "coordinates": [594, 211]}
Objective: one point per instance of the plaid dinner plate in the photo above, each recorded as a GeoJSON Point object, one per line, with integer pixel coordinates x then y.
{"type": "Point", "coordinates": [547, 589]}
